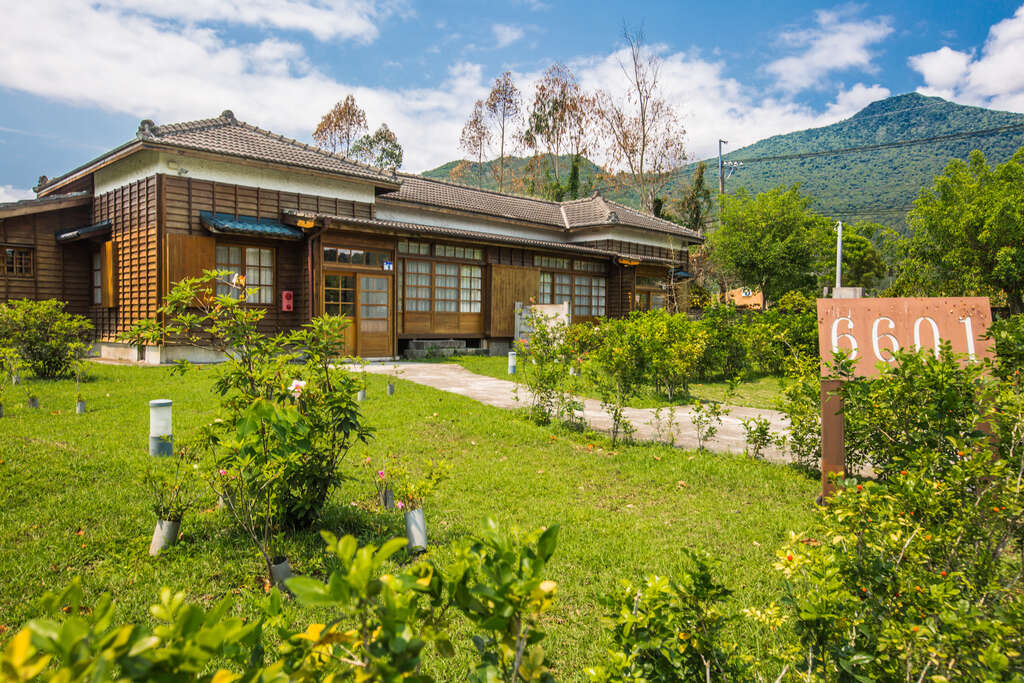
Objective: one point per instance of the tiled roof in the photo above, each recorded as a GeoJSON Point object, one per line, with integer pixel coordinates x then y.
{"type": "Point", "coordinates": [249, 225]}
{"type": "Point", "coordinates": [227, 135]}
{"type": "Point", "coordinates": [459, 233]}
{"type": "Point", "coordinates": [569, 215]}
{"type": "Point", "coordinates": [23, 206]}
{"type": "Point", "coordinates": [420, 190]}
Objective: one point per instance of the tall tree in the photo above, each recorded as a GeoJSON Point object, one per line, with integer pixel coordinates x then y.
{"type": "Point", "coordinates": [694, 206]}
{"type": "Point", "coordinates": [381, 149]}
{"type": "Point", "coordinates": [644, 137]}
{"type": "Point", "coordinates": [772, 241]}
{"type": "Point", "coordinates": [504, 108]}
{"type": "Point", "coordinates": [548, 118]}
{"type": "Point", "coordinates": [969, 233]}
{"type": "Point", "coordinates": [341, 126]}
{"type": "Point", "coordinates": [475, 138]}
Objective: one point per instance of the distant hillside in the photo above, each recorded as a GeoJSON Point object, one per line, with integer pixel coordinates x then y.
{"type": "Point", "coordinates": [482, 175]}
{"type": "Point", "coordinates": [877, 185]}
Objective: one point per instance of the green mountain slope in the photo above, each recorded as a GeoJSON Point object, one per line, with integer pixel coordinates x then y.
{"type": "Point", "coordinates": [877, 185]}
{"type": "Point", "coordinates": [519, 177]}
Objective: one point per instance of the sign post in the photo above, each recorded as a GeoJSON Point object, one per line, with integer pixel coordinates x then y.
{"type": "Point", "coordinates": [869, 330]}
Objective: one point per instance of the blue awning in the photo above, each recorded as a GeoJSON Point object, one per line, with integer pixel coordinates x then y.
{"type": "Point", "coordinates": [229, 224]}
{"type": "Point", "coordinates": [680, 273]}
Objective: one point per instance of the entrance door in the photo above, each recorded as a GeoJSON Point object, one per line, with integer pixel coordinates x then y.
{"type": "Point", "coordinates": [340, 299]}
{"type": "Point", "coordinates": [366, 301]}
{"type": "Point", "coordinates": [374, 316]}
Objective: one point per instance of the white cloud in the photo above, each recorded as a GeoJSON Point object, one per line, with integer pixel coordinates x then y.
{"type": "Point", "coordinates": [133, 63]}
{"type": "Point", "coordinates": [714, 106]}
{"type": "Point", "coordinates": [324, 19]}
{"type": "Point", "coordinates": [838, 42]}
{"type": "Point", "coordinates": [506, 34]}
{"type": "Point", "coordinates": [136, 64]}
{"type": "Point", "coordinates": [9, 193]}
{"type": "Point", "coordinates": [992, 79]}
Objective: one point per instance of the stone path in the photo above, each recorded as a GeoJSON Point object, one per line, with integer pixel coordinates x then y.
{"type": "Point", "coordinates": [498, 392]}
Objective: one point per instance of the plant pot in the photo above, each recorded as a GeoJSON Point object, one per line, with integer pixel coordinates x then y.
{"type": "Point", "coordinates": [33, 402]}
{"type": "Point", "coordinates": [416, 530]}
{"type": "Point", "coordinates": [387, 498]}
{"type": "Point", "coordinates": [361, 396]}
{"type": "Point", "coordinates": [79, 407]}
{"type": "Point", "coordinates": [280, 571]}
{"type": "Point", "coordinates": [391, 389]}
{"type": "Point", "coordinates": [165, 534]}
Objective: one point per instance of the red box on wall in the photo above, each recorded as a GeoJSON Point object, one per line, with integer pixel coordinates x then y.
{"type": "Point", "coordinates": [287, 300]}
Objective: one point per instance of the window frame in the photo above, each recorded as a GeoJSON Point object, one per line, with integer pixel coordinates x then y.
{"type": "Point", "coordinates": [10, 266]}
{"type": "Point", "coordinates": [243, 267]}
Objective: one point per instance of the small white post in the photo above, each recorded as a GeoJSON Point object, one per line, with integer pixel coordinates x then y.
{"type": "Point", "coordinates": [511, 362]}
{"type": "Point", "coordinates": [160, 440]}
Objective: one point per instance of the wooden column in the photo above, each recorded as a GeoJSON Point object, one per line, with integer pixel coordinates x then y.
{"type": "Point", "coordinates": [833, 436]}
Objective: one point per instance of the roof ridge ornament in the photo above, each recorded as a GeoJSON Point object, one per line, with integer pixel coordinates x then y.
{"type": "Point", "coordinates": [147, 129]}
{"type": "Point", "coordinates": [228, 114]}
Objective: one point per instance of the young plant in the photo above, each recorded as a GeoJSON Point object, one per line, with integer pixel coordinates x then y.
{"type": "Point", "coordinates": [385, 477]}
{"type": "Point", "coordinates": [664, 423]}
{"type": "Point", "coordinates": [174, 493]}
{"type": "Point", "coordinates": [617, 367]}
{"type": "Point", "coordinates": [706, 418]}
{"type": "Point", "coordinates": [758, 433]}
{"type": "Point", "coordinates": [413, 494]}
{"type": "Point", "coordinates": [503, 592]}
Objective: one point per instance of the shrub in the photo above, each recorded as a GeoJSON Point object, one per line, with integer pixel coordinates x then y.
{"type": "Point", "coordinates": [289, 415]}
{"type": "Point", "coordinates": [543, 369]}
{"type": "Point", "coordinates": [49, 340]}
{"type": "Point", "coordinates": [801, 404]}
{"type": "Point", "coordinates": [669, 630]}
{"type": "Point", "coordinates": [725, 354]}
{"type": "Point", "coordinates": [1008, 335]}
{"type": "Point", "coordinates": [618, 367]}
{"type": "Point", "coordinates": [673, 348]}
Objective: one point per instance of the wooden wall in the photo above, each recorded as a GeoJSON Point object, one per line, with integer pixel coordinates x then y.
{"type": "Point", "coordinates": [59, 271]}
{"type": "Point", "coordinates": [133, 210]}
{"type": "Point", "coordinates": [620, 290]}
{"type": "Point", "coordinates": [508, 284]}
{"type": "Point", "coordinates": [633, 249]}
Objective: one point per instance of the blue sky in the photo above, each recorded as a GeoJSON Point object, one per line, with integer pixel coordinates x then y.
{"type": "Point", "coordinates": [76, 77]}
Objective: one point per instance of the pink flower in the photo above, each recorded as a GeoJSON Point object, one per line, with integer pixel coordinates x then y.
{"type": "Point", "coordinates": [367, 461]}
{"type": "Point", "coordinates": [399, 505]}
{"type": "Point", "coordinates": [223, 472]}
{"type": "Point", "coordinates": [380, 474]}
{"type": "Point", "coordinates": [296, 387]}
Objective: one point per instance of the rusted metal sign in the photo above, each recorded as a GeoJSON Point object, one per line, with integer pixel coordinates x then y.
{"type": "Point", "coordinates": [870, 329]}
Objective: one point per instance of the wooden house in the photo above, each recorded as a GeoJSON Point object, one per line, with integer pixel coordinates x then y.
{"type": "Point", "coordinates": [405, 257]}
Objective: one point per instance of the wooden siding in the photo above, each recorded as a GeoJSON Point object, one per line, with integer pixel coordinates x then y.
{"type": "Point", "coordinates": [133, 210]}
{"type": "Point", "coordinates": [508, 284]}
{"type": "Point", "coordinates": [620, 290]}
{"type": "Point", "coordinates": [641, 250]}
{"type": "Point", "coordinates": [59, 271]}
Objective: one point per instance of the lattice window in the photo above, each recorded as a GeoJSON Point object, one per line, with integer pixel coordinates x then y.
{"type": "Point", "coordinates": [546, 280]}
{"type": "Point", "coordinates": [417, 286]}
{"type": "Point", "coordinates": [452, 251]}
{"type": "Point", "coordinates": [446, 287]}
{"type": "Point", "coordinates": [97, 278]}
{"type": "Point", "coordinates": [590, 266]}
{"type": "Point", "coordinates": [256, 264]}
{"type": "Point", "coordinates": [414, 248]}
{"type": "Point", "coordinates": [471, 288]}
{"type": "Point", "coordinates": [563, 288]}
{"type": "Point", "coordinates": [550, 262]}
{"type": "Point", "coordinates": [19, 261]}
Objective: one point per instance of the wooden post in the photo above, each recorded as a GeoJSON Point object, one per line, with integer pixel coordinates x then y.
{"type": "Point", "coordinates": [833, 435]}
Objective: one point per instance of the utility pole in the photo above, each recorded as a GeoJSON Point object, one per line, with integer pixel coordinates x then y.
{"type": "Point", "coordinates": [721, 167]}
{"type": "Point", "coordinates": [839, 254]}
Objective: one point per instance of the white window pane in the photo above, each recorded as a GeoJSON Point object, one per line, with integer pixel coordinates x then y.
{"type": "Point", "coordinates": [222, 254]}
{"type": "Point", "coordinates": [235, 254]}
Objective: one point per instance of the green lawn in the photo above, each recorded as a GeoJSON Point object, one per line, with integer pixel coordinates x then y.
{"type": "Point", "coordinates": [762, 392]}
{"type": "Point", "coordinates": [72, 504]}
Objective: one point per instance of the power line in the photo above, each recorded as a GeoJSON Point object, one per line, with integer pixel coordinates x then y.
{"type": "Point", "coordinates": [888, 145]}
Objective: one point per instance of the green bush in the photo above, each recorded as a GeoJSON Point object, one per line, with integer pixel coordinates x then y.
{"type": "Point", "coordinates": [543, 369]}
{"type": "Point", "coordinates": [725, 355]}
{"type": "Point", "coordinates": [1008, 335]}
{"type": "Point", "coordinates": [49, 340]}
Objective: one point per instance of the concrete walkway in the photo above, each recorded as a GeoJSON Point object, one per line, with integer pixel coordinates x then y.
{"type": "Point", "coordinates": [498, 392]}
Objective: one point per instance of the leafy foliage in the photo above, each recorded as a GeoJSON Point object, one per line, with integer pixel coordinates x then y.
{"type": "Point", "coordinates": [47, 339]}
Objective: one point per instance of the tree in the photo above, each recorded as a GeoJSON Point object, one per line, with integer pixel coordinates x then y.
{"type": "Point", "coordinates": [772, 241]}
{"type": "Point", "coordinates": [504, 107]}
{"type": "Point", "coordinates": [694, 206]}
{"type": "Point", "coordinates": [380, 149]}
{"type": "Point", "coordinates": [644, 137]}
{"type": "Point", "coordinates": [969, 233]}
{"type": "Point", "coordinates": [548, 119]}
{"type": "Point", "coordinates": [863, 265]}
{"type": "Point", "coordinates": [475, 138]}
{"type": "Point", "coordinates": [341, 126]}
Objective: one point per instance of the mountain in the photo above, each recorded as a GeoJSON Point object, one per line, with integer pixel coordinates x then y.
{"type": "Point", "coordinates": [518, 180]}
{"type": "Point", "coordinates": [878, 185]}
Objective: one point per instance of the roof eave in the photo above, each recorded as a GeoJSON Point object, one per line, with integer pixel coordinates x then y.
{"type": "Point", "coordinates": [469, 212]}
{"type": "Point", "coordinates": [42, 204]}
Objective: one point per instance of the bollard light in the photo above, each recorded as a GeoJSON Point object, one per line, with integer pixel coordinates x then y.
{"type": "Point", "coordinates": [511, 362]}
{"type": "Point", "coordinates": [160, 441]}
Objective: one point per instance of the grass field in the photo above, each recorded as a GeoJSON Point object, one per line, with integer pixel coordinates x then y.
{"type": "Point", "coordinates": [72, 504]}
{"type": "Point", "coordinates": [762, 392]}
